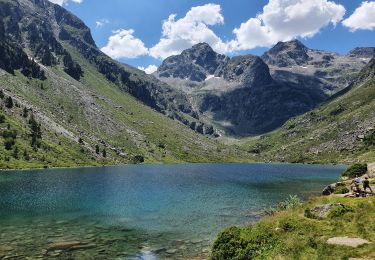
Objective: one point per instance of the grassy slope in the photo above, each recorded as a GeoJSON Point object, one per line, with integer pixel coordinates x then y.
{"type": "Point", "coordinates": [328, 134]}
{"type": "Point", "coordinates": [53, 151]}
{"type": "Point", "coordinates": [100, 113]}
{"type": "Point", "coordinates": [291, 235]}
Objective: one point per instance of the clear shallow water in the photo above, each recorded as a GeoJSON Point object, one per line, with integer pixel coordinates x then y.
{"type": "Point", "coordinates": [142, 212]}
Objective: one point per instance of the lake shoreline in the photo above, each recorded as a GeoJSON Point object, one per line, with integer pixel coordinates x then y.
{"type": "Point", "coordinates": [164, 163]}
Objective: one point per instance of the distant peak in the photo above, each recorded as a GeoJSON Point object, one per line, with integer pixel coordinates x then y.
{"type": "Point", "coordinates": [202, 46]}
{"type": "Point", "coordinates": [288, 53]}
{"type": "Point", "coordinates": [293, 44]}
{"type": "Point", "coordinates": [362, 52]}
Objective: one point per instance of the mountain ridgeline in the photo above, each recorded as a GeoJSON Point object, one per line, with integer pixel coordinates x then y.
{"type": "Point", "coordinates": [250, 95]}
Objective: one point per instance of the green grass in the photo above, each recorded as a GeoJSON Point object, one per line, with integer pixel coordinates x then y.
{"type": "Point", "coordinates": [100, 113]}
{"type": "Point", "coordinates": [290, 235]}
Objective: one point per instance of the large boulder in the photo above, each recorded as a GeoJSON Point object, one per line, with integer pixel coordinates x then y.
{"type": "Point", "coordinates": [322, 211]}
{"type": "Point", "coordinates": [329, 190]}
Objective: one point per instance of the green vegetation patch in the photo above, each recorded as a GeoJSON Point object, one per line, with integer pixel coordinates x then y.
{"type": "Point", "coordinates": [289, 234]}
{"type": "Point", "coordinates": [354, 170]}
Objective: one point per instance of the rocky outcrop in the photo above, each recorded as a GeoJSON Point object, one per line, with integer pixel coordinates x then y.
{"type": "Point", "coordinates": [347, 241]}
{"type": "Point", "coordinates": [194, 64]}
{"type": "Point", "coordinates": [286, 54]}
{"type": "Point", "coordinates": [362, 52]}
{"type": "Point", "coordinates": [321, 211]}
{"type": "Point", "coordinates": [294, 63]}
{"type": "Point", "coordinates": [249, 70]}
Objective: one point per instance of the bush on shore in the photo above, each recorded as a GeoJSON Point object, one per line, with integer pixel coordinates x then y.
{"type": "Point", "coordinates": [356, 169]}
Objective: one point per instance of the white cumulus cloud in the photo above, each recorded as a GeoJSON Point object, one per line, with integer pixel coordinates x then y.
{"type": "Point", "coordinates": [149, 69]}
{"type": "Point", "coordinates": [283, 20]}
{"type": "Point", "coordinates": [123, 44]}
{"type": "Point", "coordinates": [193, 28]}
{"type": "Point", "coordinates": [363, 17]}
{"type": "Point", "coordinates": [61, 2]}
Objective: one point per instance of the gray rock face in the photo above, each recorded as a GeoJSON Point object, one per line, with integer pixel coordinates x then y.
{"type": "Point", "coordinates": [237, 95]}
{"type": "Point", "coordinates": [362, 52]}
{"type": "Point", "coordinates": [249, 70]}
{"type": "Point", "coordinates": [193, 64]}
{"type": "Point", "coordinates": [249, 95]}
{"type": "Point", "coordinates": [285, 54]}
{"type": "Point", "coordinates": [294, 63]}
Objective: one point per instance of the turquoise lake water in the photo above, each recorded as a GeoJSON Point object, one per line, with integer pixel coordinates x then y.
{"type": "Point", "coordinates": [143, 211]}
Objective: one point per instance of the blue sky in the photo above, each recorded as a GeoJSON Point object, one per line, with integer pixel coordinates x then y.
{"type": "Point", "coordinates": [138, 24]}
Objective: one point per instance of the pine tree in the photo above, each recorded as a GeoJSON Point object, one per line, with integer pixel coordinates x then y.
{"type": "Point", "coordinates": [25, 112]}
{"type": "Point", "coordinates": [9, 102]}
{"type": "Point", "coordinates": [104, 153]}
{"type": "Point", "coordinates": [26, 155]}
{"type": "Point", "coordinates": [16, 152]}
{"type": "Point", "coordinates": [36, 132]}
{"type": "Point", "coordinates": [97, 150]}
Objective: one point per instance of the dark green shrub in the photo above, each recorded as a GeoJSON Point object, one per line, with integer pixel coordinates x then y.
{"type": "Point", "coordinates": [340, 211]}
{"type": "Point", "coordinates": [10, 134]}
{"type": "Point", "coordinates": [9, 102]}
{"type": "Point", "coordinates": [16, 152]}
{"type": "Point", "coordinates": [36, 132]}
{"type": "Point", "coordinates": [138, 159]}
{"type": "Point", "coordinates": [308, 214]}
{"type": "Point", "coordinates": [8, 143]}
{"type": "Point", "coordinates": [227, 244]}
{"type": "Point", "coordinates": [341, 190]}
{"type": "Point", "coordinates": [354, 170]}
{"type": "Point", "coordinates": [312, 242]}
{"type": "Point", "coordinates": [370, 139]}
{"type": "Point", "coordinates": [289, 224]}
{"type": "Point", "coordinates": [26, 155]}
{"type": "Point", "coordinates": [2, 119]}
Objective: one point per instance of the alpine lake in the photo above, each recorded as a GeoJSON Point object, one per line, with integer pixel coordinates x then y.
{"type": "Point", "coordinates": [142, 211]}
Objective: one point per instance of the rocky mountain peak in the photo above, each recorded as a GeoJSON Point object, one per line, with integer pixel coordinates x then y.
{"type": "Point", "coordinates": [194, 63]}
{"type": "Point", "coordinates": [248, 69]}
{"type": "Point", "coordinates": [285, 54]}
{"type": "Point", "coordinates": [294, 45]}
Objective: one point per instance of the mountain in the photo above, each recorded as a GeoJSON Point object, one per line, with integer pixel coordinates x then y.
{"type": "Point", "coordinates": [364, 52]}
{"type": "Point", "coordinates": [340, 130]}
{"type": "Point", "coordinates": [294, 63]}
{"type": "Point", "coordinates": [250, 95]}
{"type": "Point", "coordinates": [192, 64]}
{"type": "Point", "coordinates": [63, 102]}
{"type": "Point", "coordinates": [287, 54]}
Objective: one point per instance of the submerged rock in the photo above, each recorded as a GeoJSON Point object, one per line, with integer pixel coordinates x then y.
{"type": "Point", "coordinates": [63, 245]}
